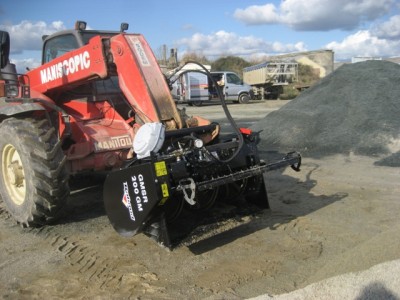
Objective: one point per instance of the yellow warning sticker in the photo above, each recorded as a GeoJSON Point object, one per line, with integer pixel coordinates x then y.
{"type": "Point", "coordinates": [161, 168]}
{"type": "Point", "coordinates": [164, 190]}
{"type": "Point", "coordinates": [163, 200]}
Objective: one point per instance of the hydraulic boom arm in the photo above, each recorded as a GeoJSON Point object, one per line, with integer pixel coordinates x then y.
{"type": "Point", "coordinates": [71, 69]}
{"type": "Point", "coordinates": [126, 55]}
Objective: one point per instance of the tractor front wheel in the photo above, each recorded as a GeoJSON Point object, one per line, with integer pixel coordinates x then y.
{"type": "Point", "coordinates": [33, 174]}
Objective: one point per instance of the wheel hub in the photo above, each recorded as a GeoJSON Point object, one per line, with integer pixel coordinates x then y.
{"type": "Point", "coordinates": [13, 173]}
{"type": "Point", "coordinates": [16, 173]}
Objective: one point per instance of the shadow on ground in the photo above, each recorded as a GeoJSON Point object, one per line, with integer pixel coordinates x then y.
{"type": "Point", "coordinates": [227, 220]}
{"type": "Point", "coordinates": [289, 198]}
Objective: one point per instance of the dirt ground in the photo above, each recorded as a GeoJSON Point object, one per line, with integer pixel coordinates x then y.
{"type": "Point", "coordinates": [339, 214]}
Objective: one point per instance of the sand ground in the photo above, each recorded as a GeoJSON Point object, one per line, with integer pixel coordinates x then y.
{"type": "Point", "coordinates": [338, 215]}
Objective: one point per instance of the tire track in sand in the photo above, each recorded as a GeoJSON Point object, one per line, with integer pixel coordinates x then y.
{"type": "Point", "coordinates": [83, 257]}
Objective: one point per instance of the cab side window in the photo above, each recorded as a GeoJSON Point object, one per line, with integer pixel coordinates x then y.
{"type": "Point", "coordinates": [59, 46]}
{"type": "Point", "coordinates": [232, 78]}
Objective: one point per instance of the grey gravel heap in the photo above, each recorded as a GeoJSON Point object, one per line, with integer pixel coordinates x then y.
{"type": "Point", "coordinates": [355, 109]}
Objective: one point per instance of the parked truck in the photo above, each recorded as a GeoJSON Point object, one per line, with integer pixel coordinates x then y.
{"type": "Point", "coordinates": [268, 78]}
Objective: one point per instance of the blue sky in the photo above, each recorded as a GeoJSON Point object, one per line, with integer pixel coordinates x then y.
{"type": "Point", "coordinates": [215, 28]}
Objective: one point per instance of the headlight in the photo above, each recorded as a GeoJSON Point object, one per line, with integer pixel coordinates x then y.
{"type": "Point", "coordinates": [198, 143]}
{"type": "Point", "coordinates": [11, 90]}
{"type": "Point", "coordinates": [149, 138]}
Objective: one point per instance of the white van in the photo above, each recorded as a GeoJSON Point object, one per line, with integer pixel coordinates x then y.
{"type": "Point", "coordinates": [233, 88]}
{"type": "Point", "coordinates": [191, 87]}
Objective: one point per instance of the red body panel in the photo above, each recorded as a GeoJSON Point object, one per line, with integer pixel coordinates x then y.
{"type": "Point", "coordinates": [74, 67]}
{"type": "Point", "coordinates": [97, 129]}
{"type": "Point", "coordinates": [100, 137]}
{"type": "Point", "coordinates": [142, 81]}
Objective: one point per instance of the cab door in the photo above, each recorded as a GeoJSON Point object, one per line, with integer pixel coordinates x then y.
{"type": "Point", "coordinates": [233, 86]}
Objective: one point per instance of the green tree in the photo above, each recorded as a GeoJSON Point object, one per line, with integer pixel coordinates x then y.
{"type": "Point", "coordinates": [230, 63]}
{"type": "Point", "coordinates": [191, 56]}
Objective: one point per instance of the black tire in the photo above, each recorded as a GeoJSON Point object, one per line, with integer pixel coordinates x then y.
{"type": "Point", "coordinates": [33, 174]}
{"type": "Point", "coordinates": [197, 103]}
{"type": "Point", "coordinates": [244, 98]}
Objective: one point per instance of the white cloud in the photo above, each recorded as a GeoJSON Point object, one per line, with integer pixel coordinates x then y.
{"type": "Point", "coordinates": [28, 35]}
{"type": "Point", "coordinates": [258, 14]}
{"type": "Point", "coordinates": [223, 43]}
{"type": "Point", "coordinates": [388, 30]}
{"type": "Point", "coordinates": [23, 64]}
{"type": "Point", "coordinates": [381, 40]}
{"type": "Point", "coordinates": [363, 43]}
{"type": "Point", "coordinates": [315, 15]}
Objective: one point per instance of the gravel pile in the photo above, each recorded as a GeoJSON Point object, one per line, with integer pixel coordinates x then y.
{"type": "Point", "coordinates": [354, 109]}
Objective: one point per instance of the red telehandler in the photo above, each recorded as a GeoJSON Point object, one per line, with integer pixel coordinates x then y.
{"type": "Point", "coordinates": [99, 102]}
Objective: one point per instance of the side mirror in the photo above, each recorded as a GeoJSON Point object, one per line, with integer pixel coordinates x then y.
{"type": "Point", "coordinates": [80, 25]}
{"type": "Point", "coordinates": [4, 48]}
{"type": "Point", "coordinates": [124, 27]}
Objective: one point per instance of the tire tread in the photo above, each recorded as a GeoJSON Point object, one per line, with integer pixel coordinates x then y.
{"type": "Point", "coordinates": [48, 163]}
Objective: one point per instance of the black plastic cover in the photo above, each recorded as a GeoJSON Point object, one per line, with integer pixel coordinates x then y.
{"type": "Point", "coordinates": [130, 195]}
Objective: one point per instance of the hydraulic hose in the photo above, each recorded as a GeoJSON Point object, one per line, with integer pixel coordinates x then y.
{"type": "Point", "coordinates": [224, 106]}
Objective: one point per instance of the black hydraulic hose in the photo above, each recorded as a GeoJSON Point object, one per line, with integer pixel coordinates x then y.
{"type": "Point", "coordinates": [224, 106]}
